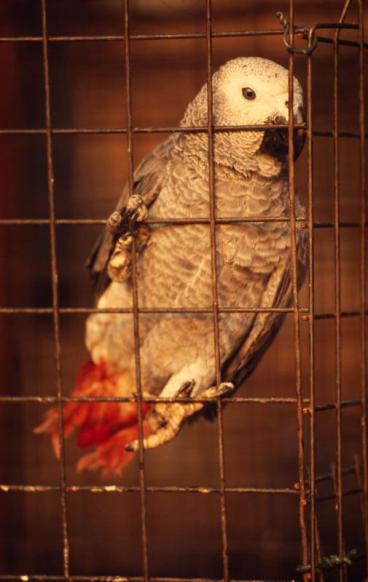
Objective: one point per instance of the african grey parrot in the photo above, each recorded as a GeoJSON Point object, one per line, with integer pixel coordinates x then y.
{"type": "Point", "coordinates": [173, 265]}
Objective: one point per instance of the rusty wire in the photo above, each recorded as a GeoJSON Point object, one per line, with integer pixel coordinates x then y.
{"type": "Point", "coordinates": [312, 465]}
{"type": "Point", "coordinates": [295, 298]}
{"type": "Point", "coordinates": [142, 478]}
{"type": "Point", "coordinates": [363, 274]}
{"type": "Point", "coordinates": [336, 167]}
{"type": "Point", "coordinates": [215, 297]}
{"type": "Point", "coordinates": [304, 489]}
{"type": "Point", "coordinates": [55, 292]}
{"type": "Point", "coordinates": [177, 36]}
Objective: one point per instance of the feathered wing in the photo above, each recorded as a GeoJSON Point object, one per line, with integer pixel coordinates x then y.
{"type": "Point", "coordinates": [147, 182]}
{"type": "Point", "coordinates": [277, 294]}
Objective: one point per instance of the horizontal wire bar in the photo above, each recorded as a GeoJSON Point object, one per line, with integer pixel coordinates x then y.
{"type": "Point", "coordinates": [5, 488]}
{"type": "Point", "coordinates": [178, 221]}
{"type": "Point", "coordinates": [41, 577]}
{"type": "Point", "coordinates": [148, 310]}
{"type": "Point", "coordinates": [345, 224]}
{"type": "Point", "coordinates": [159, 36]}
{"type": "Point", "coordinates": [304, 314]}
{"type": "Point", "coordinates": [344, 314]}
{"type": "Point", "coordinates": [188, 129]}
{"type": "Point", "coordinates": [334, 406]}
{"type": "Point", "coordinates": [332, 497]}
{"type": "Point", "coordinates": [13, 488]}
{"type": "Point", "coordinates": [148, 399]}
{"type": "Point", "coordinates": [22, 131]}
{"type": "Point", "coordinates": [330, 476]}
{"type": "Point", "coordinates": [12, 399]}
{"type": "Point", "coordinates": [166, 129]}
{"type": "Point", "coordinates": [172, 36]}
{"type": "Point", "coordinates": [327, 133]}
{"type": "Point", "coordinates": [157, 221]}
{"type": "Point", "coordinates": [342, 42]}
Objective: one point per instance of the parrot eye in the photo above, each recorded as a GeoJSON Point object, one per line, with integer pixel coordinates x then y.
{"type": "Point", "coordinates": [248, 93]}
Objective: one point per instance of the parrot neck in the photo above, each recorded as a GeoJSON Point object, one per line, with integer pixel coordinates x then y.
{"type": "Point", "coordinates": [251, 184]}
{"type": "Point", "coordinates": [239, 152]}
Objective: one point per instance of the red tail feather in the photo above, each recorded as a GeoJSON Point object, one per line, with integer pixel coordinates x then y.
{"type": "Point", "coordinates": [107, 426]}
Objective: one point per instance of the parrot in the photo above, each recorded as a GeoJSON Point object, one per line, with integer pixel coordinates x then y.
{"type": "Point", "coordinates": [172, 266]}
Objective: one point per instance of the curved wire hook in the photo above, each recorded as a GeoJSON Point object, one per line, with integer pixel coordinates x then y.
{"type": "Point", "coordinates": [286, 26]}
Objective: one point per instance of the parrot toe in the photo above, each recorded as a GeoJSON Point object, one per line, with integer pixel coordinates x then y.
{"type": "Point", "coordinates": [186, 389]}
{"type": "Point", "coordinates": [166, 418]}
{"type": "Point", "coordinates": [218, 391]}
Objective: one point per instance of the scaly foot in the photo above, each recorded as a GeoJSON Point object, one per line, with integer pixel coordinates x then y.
{"type": "Point", "coordinates": [167, 418]}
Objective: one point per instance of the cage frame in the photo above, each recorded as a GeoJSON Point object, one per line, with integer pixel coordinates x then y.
{"type": "Point", "coordinates": [306, 488]}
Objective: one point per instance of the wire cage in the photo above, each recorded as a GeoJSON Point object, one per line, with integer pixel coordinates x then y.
{"type": "Point", "coordinates": [291, 509]}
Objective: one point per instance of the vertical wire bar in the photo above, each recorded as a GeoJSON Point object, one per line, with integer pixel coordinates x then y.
{"type": "Point", "coordinates": [363, 272]}
{"type": "Point", "coordinates": [295, 300]}
{"type": "Point", "coordinates": [363, 267]}
{"type": "Point", "coordinates": [336, 167]}
{"type": "Point", "coordinates": [54, 286]}
{"type": "Point", "coordinates": [142, 478]}
{"type": "Point", "coordinates": [312, 466]}
{"type": "Point", "coordinates": [215, 301]}
{"type": "Point", "coordinates": [337, 242]}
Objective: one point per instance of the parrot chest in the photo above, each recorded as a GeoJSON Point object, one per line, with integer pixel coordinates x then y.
{"type": "Point", "coordinates": [175, 268]}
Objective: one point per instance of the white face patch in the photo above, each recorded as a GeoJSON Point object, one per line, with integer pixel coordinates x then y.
{"type": "Point", "coordinates": [268, 80]}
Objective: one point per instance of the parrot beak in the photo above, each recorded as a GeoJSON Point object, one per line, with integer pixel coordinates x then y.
{"type": "Point", "coordinates": [276, 141]}
{"type": "Point", "coordinates": [299, 133]}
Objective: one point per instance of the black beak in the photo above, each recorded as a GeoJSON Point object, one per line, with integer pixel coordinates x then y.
{"type": "Point", "coordinates": [276, 141]}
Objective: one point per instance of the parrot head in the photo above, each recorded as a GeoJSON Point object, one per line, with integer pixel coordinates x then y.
{"type": "Point", "coordinates": [251, 91]}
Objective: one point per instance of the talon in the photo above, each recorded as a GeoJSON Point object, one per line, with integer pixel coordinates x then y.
{"type": "Point", "coordinates": [225, 388]}
{"type": "Point", "coordinates": [119, 265]}
{"type": "Point", "coordinates": [136, 210]}
{"type": "Point", "coordinates": [124, 243]}
{"type": "Point", "coordinates": [134, 201]}
{"type": "Point", "coordinates": [140, 214]}
{"type": "Point", "coordinates": [114, 221]}
{"type": "Point", "coordinates": [186, 389]}
{"type": "Point", "coordinates": [166, 419]}
{"type": "Point", "coordinates": [217, 392]}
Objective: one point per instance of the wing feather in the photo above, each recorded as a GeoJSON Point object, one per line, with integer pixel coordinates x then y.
{"type": "Point", "coordinates": [147, 182]}
{"type": "Point", "coordinates": [267, 324]}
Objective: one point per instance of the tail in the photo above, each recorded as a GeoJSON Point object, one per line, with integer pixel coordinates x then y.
{"type": "Point", "coordinates": [105, 426]}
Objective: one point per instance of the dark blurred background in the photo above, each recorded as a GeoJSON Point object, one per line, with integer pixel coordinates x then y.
{"type": "Point", "coordinates": [88, 91]}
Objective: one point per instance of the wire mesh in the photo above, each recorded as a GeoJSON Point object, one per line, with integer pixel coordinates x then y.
{"type": "Point", "coordinates": [305, 489]}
